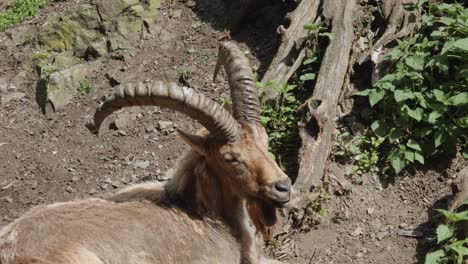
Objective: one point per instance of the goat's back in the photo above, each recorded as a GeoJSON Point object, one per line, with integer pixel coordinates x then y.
{"type": "Point", "coordinates": [96, 231]}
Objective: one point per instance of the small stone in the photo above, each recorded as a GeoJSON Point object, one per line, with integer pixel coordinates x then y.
{"type": "Point", "coordinates": [142, 164]}
{"type": "Point", "coordinates": [92, 191]}
{"type": "Point", "coordinates": [359, 255]}
{"type": "Point", "coordinates": [410, 233]}
{"type": "Point", "coordinates": [104, 186]}
{"type": "Point", "coordinates": [122, 133]}
{"type": "Point", "coordinates": [370, 210]}
{"type": "Point", "coordinates": [75, 178]}
{"type": "Point", "coordinates": [149, 128]}
{"type": "Point", "coordinates": [116, 184]}
{"type": "Point", "coordinates": [69, 189]}
{"type": "Point", "coordinates": [381, 235]}
{"type": "Point", "coordinates": [163, 125]}
{"type": "Point", "coordinates": [9, 199]}
{"type": "Point", "coordinates": [357, 232]}
{"type": "Point", "coordinates": [33, 185]}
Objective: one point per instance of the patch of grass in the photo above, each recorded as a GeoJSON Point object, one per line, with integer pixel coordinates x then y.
{"type": "Point", "coordinates": [38, 55]}
{"type": "Point", "coordinates": [84, 88]}
{"type": "Point", "coordinates": [420, 108]}
{"type": "Point", "coordinates": [48, 69]}
{"type": "Point", "coordinates": [20, 11]}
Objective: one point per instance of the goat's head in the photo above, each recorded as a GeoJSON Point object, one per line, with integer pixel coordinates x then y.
{"type": "Point", "coordinates": [237, 145]}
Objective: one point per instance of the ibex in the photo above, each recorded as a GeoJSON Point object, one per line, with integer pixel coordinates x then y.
{"type": "Point", "coordinates": [200, 216]}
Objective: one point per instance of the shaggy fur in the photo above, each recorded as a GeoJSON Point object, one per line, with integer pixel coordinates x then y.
{"type": "Point", "coordinates": [200, 216]}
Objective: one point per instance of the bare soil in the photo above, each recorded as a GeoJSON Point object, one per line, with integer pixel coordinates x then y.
{"type": "Point", "coordinates": [46, 158]}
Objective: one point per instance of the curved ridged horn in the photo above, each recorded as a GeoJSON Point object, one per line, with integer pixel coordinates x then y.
{"type": "Point", "coordinates": [211, 115]}
{"type": "Point", "coordinates": [245, 100]}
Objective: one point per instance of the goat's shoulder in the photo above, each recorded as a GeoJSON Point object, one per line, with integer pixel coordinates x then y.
{"type": "Point", "coordinates": [150, 191]}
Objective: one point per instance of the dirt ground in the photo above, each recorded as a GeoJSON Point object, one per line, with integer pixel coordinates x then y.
{"type": "Point", "coordinates": [54, 157]}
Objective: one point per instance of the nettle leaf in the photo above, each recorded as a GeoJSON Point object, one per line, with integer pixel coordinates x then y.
{"type": "Point", "coordinates": [310, 60]}
{"type": "Point", "coordinates": [418, 156]}
{"type": "Point", "coordinates": [375, 96]}
{"type": "Point", "coordinates": [363, 92]}
{"type": "Point", "coordinates": [307, 77]}
{"type": "Point", "coordinates": [461, 44]}
{"type": "Point", "coordinates": [462, 122]}
{"type": "Point", "coordinates": [453, 216]}
{"type": "Point", "coordinates": [415, 114]}
{"type": "Point", "coordinates": [394, 134]}
{"type": "Point", "coordinates": [439, 138]}
{"type": "Point", "coordinates": [402, 95]}
{"type": "Point", "coordinates": [415, 62]}
{"type": "Point", "coordinates": [433, 116]}
{"type": "Point", "coordinates": [413, 144]}
{"type": "Point", "coordinates": [398, 164]}
{"type": "Point", "coordinates": [440, 96]}
{"type": "Point", "coordinates": [409, 155]}
{"type": "Point", "coordinates": [444, 232]}
{"type": "Point", "coordinates": [435, 257]}
{"type": "Point", "coordinates": [446, 20]}
{"type": "Point", "coordinates": [379, 129]}
{"type": "Point", "coordinates": [460, 247]}
{"type": "Point", "coordinates": [459, 99]}
{"type": "Point", "coordinates": [395, 54]}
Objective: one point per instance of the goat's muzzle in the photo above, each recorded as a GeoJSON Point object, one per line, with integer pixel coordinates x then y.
{"type": "Point", "coordinates": [278, 192]}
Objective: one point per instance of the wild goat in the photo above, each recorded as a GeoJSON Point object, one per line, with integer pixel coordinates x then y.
{"type": "Point", "coordinates": [200, 216]}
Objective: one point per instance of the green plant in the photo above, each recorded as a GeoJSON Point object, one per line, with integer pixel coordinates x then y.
{"type": "Point", "coordinates": [361, 150]}
{"type": "Point", "coordinates": [84, 88]}
{"type": "Point", "coordinates": [280, 116]}
{"type": "Point", "coordinates": [47, 70]}
{"type": "Point", "coordinates": [20, 11]}
{"type": "Point", "coordinates": [451, 238]}
{"type": "Point", "coordinates": [316, 207]}
{"type": "Point", "coordinates": [38, 55]}
{"type": "Point", "coordinates": [420, 108]}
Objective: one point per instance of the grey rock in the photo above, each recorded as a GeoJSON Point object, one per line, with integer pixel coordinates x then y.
{"type": "Point", "coordinates": [163, 125]}
{"type": "Point", "coordinates": [142, 164]}
{"type": "Point", "coordinates": [410, 233]}
{"type": "Point", "coordinates": [381, 235]}
{"type": "Point", "coordinates": [69, 189]}
{"type": "Point", "coordinates": [357, 232]}
{"type": "Point", "coordinates": [62, 86]}
{"type": "Point", "coordinates": [116, 184]}
{"type": "Point", "coordinates": [125, 119]}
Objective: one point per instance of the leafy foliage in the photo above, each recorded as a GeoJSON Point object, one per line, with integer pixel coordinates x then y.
{"type": "Point", "coordinates": [451, 238]}
{"type": "Point", "coordinates": [280, 116]}
{"type": "Point", "coordinates": [361, 150]}
{"type": "Point", "coordinates": [84, 88]}
{"type": "Point", "coordinates": [20, 11]}
{"type": "Point", "coordinates": [420, 109]}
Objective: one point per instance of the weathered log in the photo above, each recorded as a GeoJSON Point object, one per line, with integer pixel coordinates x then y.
{"type": "Point", "coordinates": [319, 111]}
{"type": "Point", "coordinates": [290, 53]}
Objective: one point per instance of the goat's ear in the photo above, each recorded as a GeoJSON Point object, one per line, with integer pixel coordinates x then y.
{"type": "Point", "coordinates": [198, 143]}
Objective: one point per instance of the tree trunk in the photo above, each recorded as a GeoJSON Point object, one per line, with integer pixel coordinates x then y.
{"type": "Point", "coordinates": [319, 111]}
{"type": "Point", "coordinates": [290, 53]}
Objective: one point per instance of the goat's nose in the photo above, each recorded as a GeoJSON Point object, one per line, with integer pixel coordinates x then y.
{"type": "Point", "coordinates": [282, 189]}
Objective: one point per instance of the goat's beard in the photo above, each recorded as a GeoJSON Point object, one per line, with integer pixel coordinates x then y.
{"type": "Point", "coordinates": [263, 215]}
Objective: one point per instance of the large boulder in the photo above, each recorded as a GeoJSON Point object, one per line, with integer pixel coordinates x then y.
{"type": "Point", "coordinates": [102, 28]}
{"type": "Point", "coordinates": [64, 85]}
